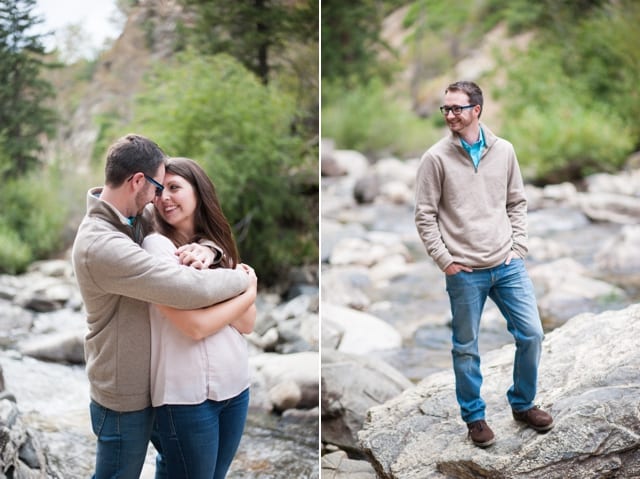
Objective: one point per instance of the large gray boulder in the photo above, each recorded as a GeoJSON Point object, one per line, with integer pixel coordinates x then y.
{"type": "Point", "coordinates": [588, 380]}
{"type": "Point", "coordinates": [351, 384]}
{"type": "Point", "coordinates": [337, 465]}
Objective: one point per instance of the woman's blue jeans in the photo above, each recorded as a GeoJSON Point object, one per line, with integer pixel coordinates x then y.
{"type": "Point", "coordinates": [199, 441]}
{"type": "Point", "coordinates": [123, 439]}
{"type": "Point", "coordinates": [511, 289]}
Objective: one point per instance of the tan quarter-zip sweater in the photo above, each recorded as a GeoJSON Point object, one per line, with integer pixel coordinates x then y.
{"type": "Point", "coordinates": [117, 280]}
{"type": "Point", "coordinates": [466, 215]}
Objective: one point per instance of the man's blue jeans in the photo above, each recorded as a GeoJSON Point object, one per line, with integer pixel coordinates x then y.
{"type": "Point", "coordinates": [200, 440]}
{"type": "Point", "coordinates": [510, 288]}
{"type": "Point", "coordinates": [123, 438]}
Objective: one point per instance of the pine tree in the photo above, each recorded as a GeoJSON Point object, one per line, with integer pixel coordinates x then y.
{"type": "Point", "coordinates": [24, 116]}
{"type": "Point", "coordinates": [351, 39]}
{"type": "Point", "coordinates": [252, 30]}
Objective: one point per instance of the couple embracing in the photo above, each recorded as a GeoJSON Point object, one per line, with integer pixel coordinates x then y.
{"type": "Point", "coordinates": [167, 301]}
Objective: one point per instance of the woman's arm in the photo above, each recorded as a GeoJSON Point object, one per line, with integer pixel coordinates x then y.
{"type": "Point", "coordinates": [246, 321]}
{"type": "Point", "coordinates": [200, 323]}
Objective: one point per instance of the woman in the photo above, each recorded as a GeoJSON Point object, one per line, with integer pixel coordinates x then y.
{"type": "Point", "coordinates": [199, 374]}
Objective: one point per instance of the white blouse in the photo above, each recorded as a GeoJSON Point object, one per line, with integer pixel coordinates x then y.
{"type": "Point", "coordinates": [186, 371]}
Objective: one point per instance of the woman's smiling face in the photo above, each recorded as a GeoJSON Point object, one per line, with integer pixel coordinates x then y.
{"type": "Point", "coordinates": [178, 203]}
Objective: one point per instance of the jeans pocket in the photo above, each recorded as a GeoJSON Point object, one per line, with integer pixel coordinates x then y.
{"type": "Point", "coordinates": [456, 282]}
{"type": "Point", "coordinates": [98, 417]}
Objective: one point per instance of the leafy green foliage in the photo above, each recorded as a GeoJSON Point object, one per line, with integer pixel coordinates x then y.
{"type": "Point", "coordinates": [32, 218]}
{"type": "Point", "coordinates": [23, 93]}
{"type": "Point", "coordinates": [214, 111]}
{"type": "Point", "coordinates": [15, 255]}
{"type": "Point", "coordinates": [368, 119]}
{"type": "Point", "coordinates": [564, 141]}
{"type": "Point", "coordinates": [571, 104]}
{"type": "Point", "coordinates": [254, 32]}
{"type": "Point", "coordinates": [351, 40]}
{"type": "Point", "coordinates": [608, 59]}
{"type": "Point", "coordinates": [569, 101]}
{"type": "Point", "coordinates": [277, 41]}
{"type": "Point", "coordinates": [549, 15]}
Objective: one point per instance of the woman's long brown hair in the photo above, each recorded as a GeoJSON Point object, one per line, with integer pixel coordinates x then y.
{"type": "Point", "coordinates": [210, 221]}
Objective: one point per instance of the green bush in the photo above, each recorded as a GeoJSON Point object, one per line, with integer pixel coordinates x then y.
{"type": "Point", "coordinates": [561, 142]}
{"type": "Point", "coordinates": [369, 120]}
{"type": "Point", "coordinates": [15, 255]}
{"type": "Point", "coordinates": [606, 55]}
{"type": "Point", "coordinates": [560, 129]}
{"type": "Point", "coordinates": [32, 220]}
{"type": "Point", "coordinates": [213, 110]}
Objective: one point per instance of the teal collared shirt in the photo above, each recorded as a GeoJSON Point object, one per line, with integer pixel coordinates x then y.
{"type": "Point", "coordinates": [475, 150]}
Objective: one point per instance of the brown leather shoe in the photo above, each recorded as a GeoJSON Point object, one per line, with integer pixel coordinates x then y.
{"type": "Point", "coordinates": [480, 433]}
{"type": "Point", "coordinates": [535, 418]}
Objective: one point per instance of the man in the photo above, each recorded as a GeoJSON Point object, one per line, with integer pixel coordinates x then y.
{"type": "Point", "coordinates": [117, 280]}
{"type": "Point", "coordinates": [471, 216]}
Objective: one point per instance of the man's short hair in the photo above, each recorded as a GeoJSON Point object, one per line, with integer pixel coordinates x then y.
{"type": "Point", "coordinates": [129, 155]}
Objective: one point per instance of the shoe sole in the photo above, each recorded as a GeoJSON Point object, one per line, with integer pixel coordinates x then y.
{"type": "Point", "coordinates": [484, 444]}
{"type": "Point", "coordinates": [546, 428]}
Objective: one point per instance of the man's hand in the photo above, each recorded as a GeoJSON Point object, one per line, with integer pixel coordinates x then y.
{"type": "Point", "coordinates": [196, 255]}
{"type": "Point", "coordinates": [455, 268]}
{"type": "Point", "coordinates": [512, 254]}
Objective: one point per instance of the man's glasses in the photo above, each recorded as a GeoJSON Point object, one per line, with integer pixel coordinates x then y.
{"type": "Point", "coordinates": [159, 187]}
{"type": "Point", "coordinates": [455, 109]}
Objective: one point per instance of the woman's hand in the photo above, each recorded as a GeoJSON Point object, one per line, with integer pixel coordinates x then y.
{"type": "Point", "coordinates": [196, 255]}
{"type": "Point", "coordinates": [253, 279]}
{"type": "Point", "coordinates": [246, 322]}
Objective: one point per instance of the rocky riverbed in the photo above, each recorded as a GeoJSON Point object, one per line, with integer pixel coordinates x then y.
{"type": "Point", "coordinates": [384, 307]}
{"type": "Point", "coordinates": [44, 393]}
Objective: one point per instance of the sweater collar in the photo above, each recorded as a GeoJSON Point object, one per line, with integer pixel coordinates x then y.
{"type": "Point", "coordinates": [489, 137]}
{"type": "Point", "coordinates": [100, 208]}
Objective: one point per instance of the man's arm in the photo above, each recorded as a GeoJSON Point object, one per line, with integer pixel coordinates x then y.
{"type": "Point", "coordinates": [119, 266]}
{"type": "Point", "coordinates": [428, 193]}
{"type": "Point", "coordinates": [517, 209]}
{"type": "Point", "coordinates": [240, 311]}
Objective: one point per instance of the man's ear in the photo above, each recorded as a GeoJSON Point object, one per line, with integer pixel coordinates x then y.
{"type": "Point", "coordinates": [137, 181]}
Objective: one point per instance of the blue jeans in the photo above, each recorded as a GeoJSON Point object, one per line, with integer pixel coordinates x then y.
{"type": "Point", "coordinates": [510, 288]}
{"type": "Point", "coordinates": [123, 438]}
{"type": "Point", "coordinates": [199, 441]}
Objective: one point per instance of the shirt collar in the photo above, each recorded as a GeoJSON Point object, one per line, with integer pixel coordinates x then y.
{"type": "Point", "coordinates": [478, 144]}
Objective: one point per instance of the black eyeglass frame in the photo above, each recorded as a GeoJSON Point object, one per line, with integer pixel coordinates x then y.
{"type": "Point", "coordinates": [159, 187]}
{"type": "Point", "coordinates": [455, 109]}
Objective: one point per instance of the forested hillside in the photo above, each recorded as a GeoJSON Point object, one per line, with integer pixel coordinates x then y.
{"type": "Point", "coordinates": [233, 85]}
{"type": "Point", "coordinates": [560, 78]}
